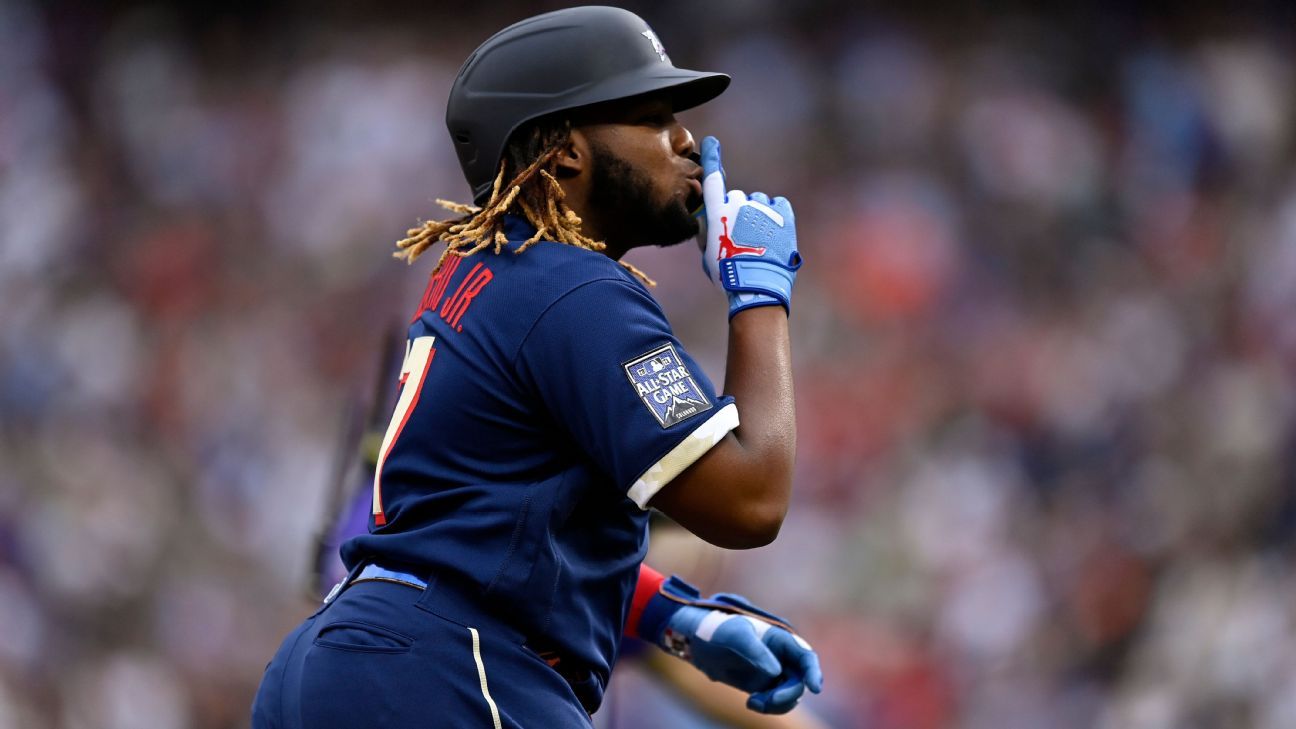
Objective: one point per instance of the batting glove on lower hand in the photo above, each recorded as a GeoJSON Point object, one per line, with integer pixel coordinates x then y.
{"type": "Point", "coordinates": [750, 247]}
{"type": "Point", "coordinates": [734, 642]}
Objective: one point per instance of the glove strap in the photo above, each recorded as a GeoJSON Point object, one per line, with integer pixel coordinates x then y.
{"type": "Point", "coordinates": [766, 281]}
{"type": "Point", "coordinates": [739, 605]}
{"type": "Point", "coordinates": [675, 593]}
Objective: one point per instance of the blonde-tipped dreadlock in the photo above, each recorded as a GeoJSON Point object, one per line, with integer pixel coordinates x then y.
{"type": "Point", "coordinates": [533, 192]}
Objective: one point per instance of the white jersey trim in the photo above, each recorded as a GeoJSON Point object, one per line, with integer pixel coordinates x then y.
{"type": "Point", "coordinates": [683, 455]}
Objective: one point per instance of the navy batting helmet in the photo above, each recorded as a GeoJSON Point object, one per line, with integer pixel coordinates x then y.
{"type": "Point", "coordinates": [554, 62]}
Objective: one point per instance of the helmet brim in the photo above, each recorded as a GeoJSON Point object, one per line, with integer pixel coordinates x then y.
{"type": "Point", "coordinates": [685, 88]}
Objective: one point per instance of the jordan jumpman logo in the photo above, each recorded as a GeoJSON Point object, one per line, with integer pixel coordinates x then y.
{"type": "Point", "coordinates": [729, 249]}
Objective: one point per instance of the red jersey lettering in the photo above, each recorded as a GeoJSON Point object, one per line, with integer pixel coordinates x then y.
{"type": "Point", "coordinates": [436, 287]}
{"type": "Point", "coordinates": [455, 306]}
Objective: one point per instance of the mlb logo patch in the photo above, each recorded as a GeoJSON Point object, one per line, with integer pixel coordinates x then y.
{"type": "Point", "coordinates": [664, 384]}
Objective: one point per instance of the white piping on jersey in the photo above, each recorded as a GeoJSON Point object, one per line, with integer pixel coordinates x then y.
{"type": "Point", "coordinates": [683, 455]}
{"type": "Point", "coordinates": [481, 676]}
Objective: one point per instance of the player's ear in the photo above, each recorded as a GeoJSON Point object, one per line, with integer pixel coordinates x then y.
{"type": "Point", "coordinates": [574, 157]}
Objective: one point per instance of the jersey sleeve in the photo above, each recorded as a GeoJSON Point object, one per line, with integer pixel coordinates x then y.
{"type": "Point", "coordinates": [606, 365]}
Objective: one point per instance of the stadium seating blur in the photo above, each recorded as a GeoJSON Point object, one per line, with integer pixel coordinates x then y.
{"type": "Point", "coordinates": [1046, 379]}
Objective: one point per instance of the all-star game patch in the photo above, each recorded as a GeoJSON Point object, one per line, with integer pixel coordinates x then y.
{"type": "Point", "coordinates": [666, 386]}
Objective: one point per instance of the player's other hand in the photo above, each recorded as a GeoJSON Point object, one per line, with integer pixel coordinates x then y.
{"type": "Point", "coordinates": [769, 662]}
{"type": "Point", "coordinates": [749, 245]}
{"type": "Point", "coordinates": [732, 641]}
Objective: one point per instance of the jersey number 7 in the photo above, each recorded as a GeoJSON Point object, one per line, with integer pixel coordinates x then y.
{"type": "Point", "coordinates": [418, 357]}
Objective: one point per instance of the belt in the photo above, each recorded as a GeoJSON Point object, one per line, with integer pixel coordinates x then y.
{"type": "Point", "coordinates": [373, 573]}
{"type": "Point", "coordinates": [382, 574]}
{"type": "Point", "coordinates": [443, 594]}
{"type": "Point", "coordinates": [451, 600]}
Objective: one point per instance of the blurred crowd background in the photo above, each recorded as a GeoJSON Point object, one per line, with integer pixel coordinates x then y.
{"type": "Point", "coordinates": [1045, 347]}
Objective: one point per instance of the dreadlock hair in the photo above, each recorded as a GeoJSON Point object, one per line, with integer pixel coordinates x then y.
{"type": "Point", "coordinates": [532, 192]}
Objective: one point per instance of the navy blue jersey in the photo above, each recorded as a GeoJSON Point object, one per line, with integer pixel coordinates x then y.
{"type": "Point", "coordinates": [544, 401]}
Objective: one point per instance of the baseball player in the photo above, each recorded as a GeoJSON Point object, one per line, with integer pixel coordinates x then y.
{"type": "Point", "coordinates": [545, 404]}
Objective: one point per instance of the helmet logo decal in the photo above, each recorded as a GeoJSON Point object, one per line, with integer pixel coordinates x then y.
{"type": "Point", "coordinates": [656, 44]}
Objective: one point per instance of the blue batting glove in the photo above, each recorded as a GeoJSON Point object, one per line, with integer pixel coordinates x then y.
{"type": "Point", "coordinates": [734, 642]}
{"type": "Point", "coordinates": [751, 246]}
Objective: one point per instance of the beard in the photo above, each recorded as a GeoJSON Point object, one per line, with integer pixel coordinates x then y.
{"type": "Point", "coordinates": [624, 201]}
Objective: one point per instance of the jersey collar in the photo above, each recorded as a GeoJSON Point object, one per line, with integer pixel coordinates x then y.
{"type": "Point", "coordinates": [516, 228]}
